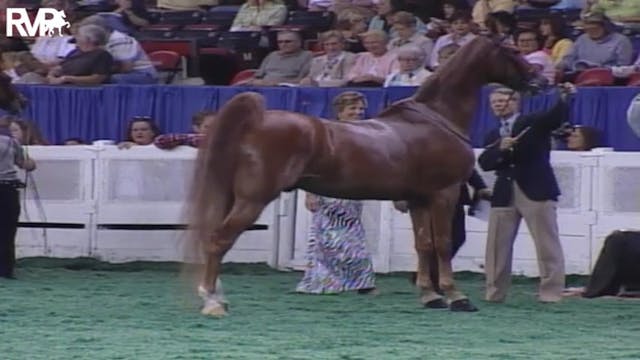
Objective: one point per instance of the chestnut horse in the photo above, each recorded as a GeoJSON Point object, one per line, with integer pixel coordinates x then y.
{"type": "Point", "coordinates": [10, 99]}
{"type": "Point", "coordinates": [417, 150]}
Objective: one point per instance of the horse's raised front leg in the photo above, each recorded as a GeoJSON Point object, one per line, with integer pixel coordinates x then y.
{"type": "Point", "coordinates": [242, 215]}
{"type": "Point", "coordinates": [441, 215]}
{"type": "Point", "coordinates": [420, 219]}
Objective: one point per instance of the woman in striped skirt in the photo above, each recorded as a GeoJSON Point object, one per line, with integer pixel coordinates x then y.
{"type": "Point", "coordinates": [337, 257]}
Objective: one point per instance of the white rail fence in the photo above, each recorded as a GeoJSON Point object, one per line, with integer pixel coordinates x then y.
{"type": "Point", "coordinates": [124, 205]}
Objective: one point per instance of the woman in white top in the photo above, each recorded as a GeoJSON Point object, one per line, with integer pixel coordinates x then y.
{"type": "Point", "coordinates": [330, 70]}
{"type": "Point", "coordinates": [412, 71]}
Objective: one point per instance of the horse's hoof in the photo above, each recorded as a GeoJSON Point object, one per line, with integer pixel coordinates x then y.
{"type": "Point", "coordinates": [436, 304]}
{"type": "Point", "coordinates": [215, 311]}
{"type": "Point", "coordinates": [462, 305]}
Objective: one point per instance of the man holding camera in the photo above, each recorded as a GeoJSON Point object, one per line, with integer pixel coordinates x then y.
{"type": "Point", "coordinates": [11, 155]}
{"type": "Point", "coordinates": [526, 187]}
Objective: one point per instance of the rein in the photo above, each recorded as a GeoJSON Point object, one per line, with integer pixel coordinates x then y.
{"type": "Point", "coordinates": [440, 121]}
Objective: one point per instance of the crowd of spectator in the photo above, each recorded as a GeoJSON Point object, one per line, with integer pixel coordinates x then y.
{"type": "Point", "coordinates": [374, 43]}
{"type": "Point", "coordinates": [362, 47]}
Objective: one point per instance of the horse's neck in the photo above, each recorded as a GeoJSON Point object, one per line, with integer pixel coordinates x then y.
{"type": "Point", "coordinates": [453, 94]}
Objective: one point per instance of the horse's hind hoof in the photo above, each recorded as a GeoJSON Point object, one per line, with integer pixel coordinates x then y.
{"type": "Point", "coordinates": [436, 304]}
{"type": "Point", "coordinates": [462, 305]}
{"type": "Point", "coordinates": [215, 311]}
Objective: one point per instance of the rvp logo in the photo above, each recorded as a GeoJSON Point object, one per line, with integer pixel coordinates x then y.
{"type": "Point", "coordinates": [48, 22]}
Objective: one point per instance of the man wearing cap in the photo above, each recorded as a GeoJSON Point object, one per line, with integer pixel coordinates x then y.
{"type": "Point", "coordinates": [599, 46]}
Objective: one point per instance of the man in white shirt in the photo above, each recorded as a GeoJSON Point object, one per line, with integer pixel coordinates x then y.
{"type": "Point", "coordinates": [134, 66]}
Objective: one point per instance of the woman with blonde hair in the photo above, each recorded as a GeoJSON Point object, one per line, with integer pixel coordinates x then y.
{"type": "Point", "coordinates": [331, 68]}
{"type": "Point", "coordinates": [254, 14]}
{"type": "Point", "coordinates": [337, 256]}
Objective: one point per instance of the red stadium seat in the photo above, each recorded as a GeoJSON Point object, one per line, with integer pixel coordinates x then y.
{"type": "Point", "coordinates": [634, 79]}
{"type": "Point", "coordinates": [167, 62]}
{"type": "Point", "coordinates": [242, 75]}
{"type": "Point", "coordinates": [595, 77]}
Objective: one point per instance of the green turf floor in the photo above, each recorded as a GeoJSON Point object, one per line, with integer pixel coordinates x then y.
{"type": "Point", "coordinates": [82, 309]}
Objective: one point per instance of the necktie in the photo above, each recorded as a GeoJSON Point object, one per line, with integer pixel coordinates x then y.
{"type": "Point", "coordinates": [505, 129]}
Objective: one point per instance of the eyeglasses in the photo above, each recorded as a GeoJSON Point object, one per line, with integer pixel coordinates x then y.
{"type": "Point", "coordinates": [284, 41]}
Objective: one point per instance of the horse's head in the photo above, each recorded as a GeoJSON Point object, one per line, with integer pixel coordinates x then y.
{"type": "Point", "coordinates": [506, 66]}
{"type": "Point", "coordinates": [10, 98]}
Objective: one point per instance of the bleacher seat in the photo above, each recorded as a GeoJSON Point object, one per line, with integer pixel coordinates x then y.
{"type": "Point", "coordinates": [187, 17]}
{"type": "Point", "coordinates": [317, 20]}
{"type": "Point", "coordinates": [239, 40]}
{"type": "Point", "coordinates": [204, 34]}
{"type": "Point", "coordinates": [166, 62]}
{"type": "Point", "coordinates": [595, 77]}
{"type": "Point", "coordinates": [162, 31]}
{"type": "Point", "coordinates": [242, 75]}
{"type": "Point", "coordinates": [634, 79]}
{"type": "Point", "coordinates": [222, 16]}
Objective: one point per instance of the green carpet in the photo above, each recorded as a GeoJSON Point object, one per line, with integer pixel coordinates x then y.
{"type": "Point", "coordinates": [83, 309]}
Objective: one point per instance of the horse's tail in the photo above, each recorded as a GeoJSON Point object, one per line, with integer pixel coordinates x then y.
{"type": "Point", "coordinates": [211, 196]}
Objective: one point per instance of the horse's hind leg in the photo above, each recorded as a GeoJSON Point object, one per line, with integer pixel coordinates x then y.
{"type": "Point", "coordinates": [442, 210]}
{"type": "Point", "coordinates": [420, 218]}
{"type": "Point", "coordinates": [242, 215]}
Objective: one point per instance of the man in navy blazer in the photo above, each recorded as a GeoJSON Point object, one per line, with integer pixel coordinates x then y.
{"type": "Point", "coordinates": [526, 187]}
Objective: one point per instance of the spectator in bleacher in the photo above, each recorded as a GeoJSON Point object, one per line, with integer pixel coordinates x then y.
{"type": "Point", "coordinates": [128, 16]}
{"type": "Point", "coordinates": [89, 64]}
{"type": "Point", "coordinates": [132, 65]}
{"type": "Point", "coordinates": [23, 68]}
{"type": "Point", "coordinates": [141, 130]}
{"type": "Point", "coordinates": [335, 6]}
{"type": "Point", "coordinates": [411, 71]}
{"type": "Point", "coordinates": [73, 141]}
{"type": "Point", "coordinates": [330, 69]}
{"type": "Point", "coordinates": [404, 26]}
{"type": "Point", "coordinates": [623, 11]}
{"type": "Point", "coordinates": [289, 64]}
{"type": "Point", "coordinates": [51, 50]}
{"type": "Point", "coordinates": [599, 46]}
{"type": "Point", "coordinates": [337, 257]}
{"type": "Point", "coordinates": [25, 132]}
{"type": "Point", "coordinates": [373, 67]}
{"type": "Point", "coordinates": [9, 44]}
{"type": "Point", "coordinates": [482, 9]}
{"type": "Point", "coordinates": [199, 122]}
{"type": "Point", "coordinates": [352, 23]}
{"type": "Point", "coordinates": [384, 19]}
{"type": "Point", "coordinates": [11, 155]}
{"type": "Point", "coordinates": [186, 4]}
{"type": "Point", "coordinates": [460, 35]}
{"type": "Point", "coordinates": [556, 44]}
{"type": "Point", "coordinates": [503, 24]}
{"type": "Point", "coordinates": [439, 27]}
{"type": "Point", "coordinates": [529, 42]}
{"type": "Point", "coordinates": [254, 14]}
{"type": "Point", "coordinates": [445, 53]}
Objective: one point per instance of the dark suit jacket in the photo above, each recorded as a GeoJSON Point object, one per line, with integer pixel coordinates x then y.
{"type": "Point", "coordinates": [528, 161]}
